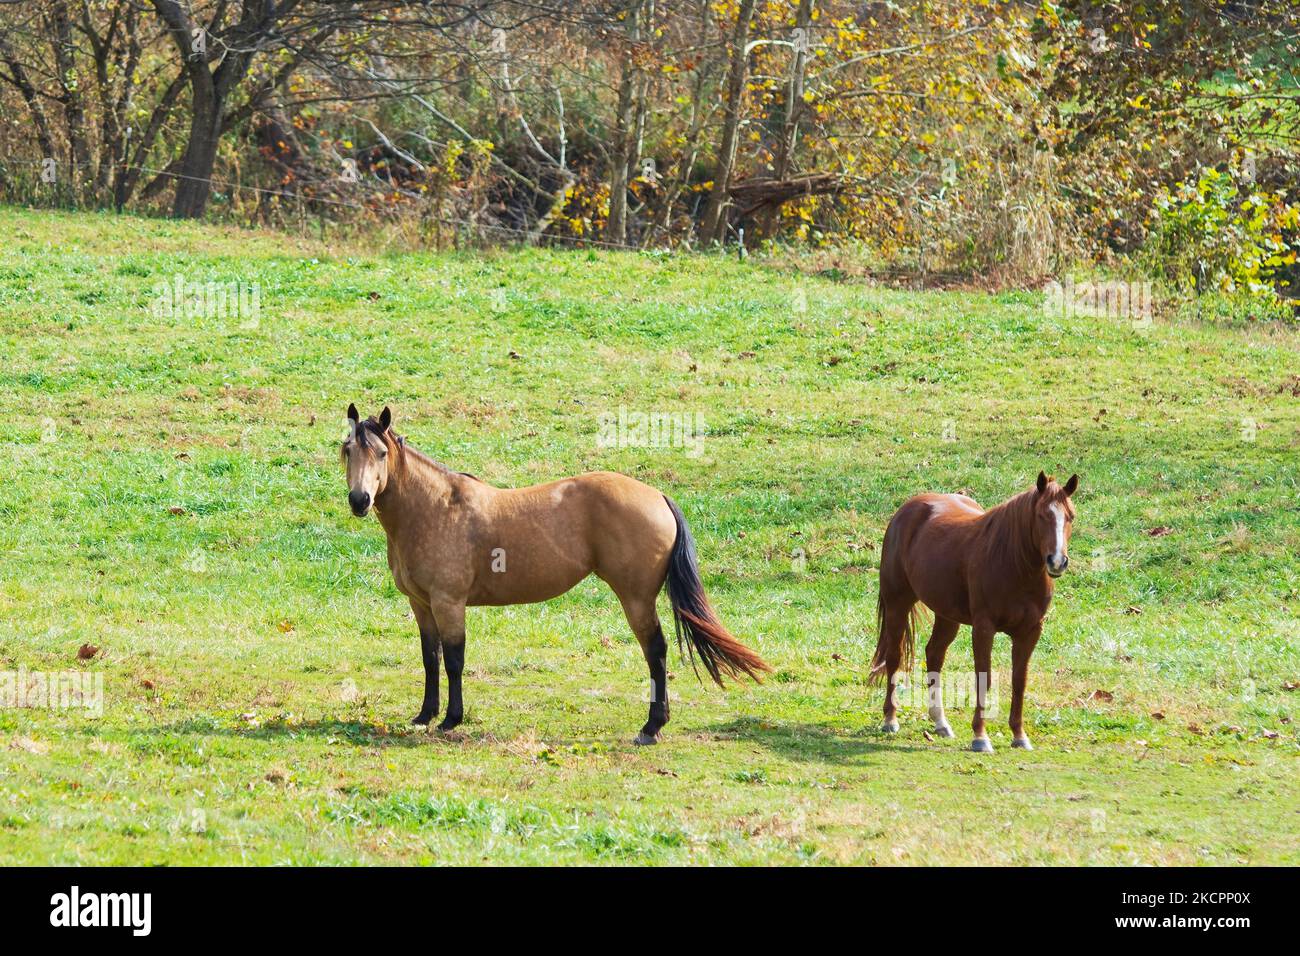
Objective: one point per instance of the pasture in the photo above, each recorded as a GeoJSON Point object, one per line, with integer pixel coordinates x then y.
{"type": "Point", "coordinates": [173, 498]}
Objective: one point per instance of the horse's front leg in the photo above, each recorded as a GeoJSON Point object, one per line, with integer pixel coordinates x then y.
{"type": "Point", "coordinates": [450, 617]}
{"type": "Point", "coordinates": [1022, 646]}
{"type": "Point", "coordinates": [982, 643]}
{"type": "Point", "coordinates": [429, 647]}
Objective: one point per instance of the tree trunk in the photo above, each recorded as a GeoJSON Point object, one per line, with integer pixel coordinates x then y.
{"type": "Point", "coordinates": [616, 224]}
{"type": "Point", "coordinates": [209, 90]}
{"type": "Point", "coordinates": [641, 109]}
{"type": "Point", "coordinates": [793, 111]}
{"type": "Point", "coordinates": [128, 175]}
{"type": "Point", "coordinates": [74, 110]}
{"type": "Point", "coordinates": [713, 228]}
{"type": "Point", "coordinates": [193, 181]}
{"type": "Point", "coordinates": [31, 96]}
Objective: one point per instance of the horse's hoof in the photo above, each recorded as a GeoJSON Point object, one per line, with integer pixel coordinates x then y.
{"type": "Point", "coordinates": [944, 731]}
{"type": "Point", "coordinates": [890, 727]}
{"type": "Point", "coordinates": [645, 740]}
{"type": "Point", "coordinates": [981, 745]}
{"type": "Point", "coordinates": [1023, 743]}
{"type": "Point", "coordinates": [449, 724]}
{"type": "Point", "coordinates": [422, 720]}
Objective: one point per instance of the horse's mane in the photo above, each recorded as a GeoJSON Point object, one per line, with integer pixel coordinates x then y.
{"type": "Point", "coordinates": [410, 451]}
{"type": "Point", "coordinates": [413, 452]}
{"type": "Point", "coordinates": [369, 429]}
{"type": "Point", "coordinates": [1006, 531]}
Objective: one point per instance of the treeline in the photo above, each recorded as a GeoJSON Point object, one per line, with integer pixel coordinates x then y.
{"type": "Point", "coordinates": [1005, 138]}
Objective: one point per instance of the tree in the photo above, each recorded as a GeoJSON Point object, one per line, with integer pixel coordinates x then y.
{"type": "Point", "coordinates": [625, 132]}
{"type": "Point", "coordinates": [714, 225]}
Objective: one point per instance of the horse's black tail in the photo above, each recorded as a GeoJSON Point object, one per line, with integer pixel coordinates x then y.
{"type": "Point", "coordinates": [717, 649]}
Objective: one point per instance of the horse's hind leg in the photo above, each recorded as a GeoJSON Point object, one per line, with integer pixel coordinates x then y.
{"type": "Point", "coordinates": [644, 621]}
{"type": "Point", "coordinates": [450, 618]}
{"type": "Point", "coordinates": [893, 635]}
{"type": "Point", "coordinates": [941, 637]}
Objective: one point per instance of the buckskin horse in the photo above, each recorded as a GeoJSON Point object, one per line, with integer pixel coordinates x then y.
{"type": "Point", "coordinates": [455, 541]}
{"type": "Point", "coordinates": [993, 570]}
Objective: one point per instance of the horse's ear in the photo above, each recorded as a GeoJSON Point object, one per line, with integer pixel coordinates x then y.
{"type": "Point", "coordinates": [1071, 486]}
{"type": "Point", "coordinates": [385, 418]}
{"type": "Point", "coordinates": [353, 415]}
{"type": "Point", "coordinates": [1042, 482]}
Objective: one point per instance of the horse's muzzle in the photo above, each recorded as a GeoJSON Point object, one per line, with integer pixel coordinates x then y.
{"type": "Point", "coordinates": [1054, 570]}
{"type": "Point", "coordinates": [359, 502]}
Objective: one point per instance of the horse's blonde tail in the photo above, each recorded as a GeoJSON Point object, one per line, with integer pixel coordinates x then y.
{"type": "Point", "coordinates": [880, 662]}
{"type": "Point", "coordinates": [906, 642]}
{"type": "Point", "coordinates": [699, 632]}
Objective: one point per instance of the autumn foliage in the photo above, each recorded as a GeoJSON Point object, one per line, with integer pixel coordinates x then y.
{"type": "Point", "coordinates": [1002, 139]}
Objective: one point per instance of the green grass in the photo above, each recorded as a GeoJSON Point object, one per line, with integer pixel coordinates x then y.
{"type": "Point", "coordinates": [173, 496]}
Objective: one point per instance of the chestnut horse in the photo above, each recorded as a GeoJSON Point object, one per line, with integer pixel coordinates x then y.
{"type": "Point", "coordinates": [454, 541]}
{"type": "Point", "coordinates": [993, 570]}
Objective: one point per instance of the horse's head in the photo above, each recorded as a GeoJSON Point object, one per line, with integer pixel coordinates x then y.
{"type": "Point", "coordinates": [1053, 519]}
{"type": "Point", "coordinates": [365, 455]}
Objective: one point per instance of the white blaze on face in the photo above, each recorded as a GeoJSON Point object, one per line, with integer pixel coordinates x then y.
{"type": "Point", "coordinates": [1058, 544]}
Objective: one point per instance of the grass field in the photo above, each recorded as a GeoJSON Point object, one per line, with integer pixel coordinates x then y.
{"type": "Point", "coordinates": [173, 497]}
